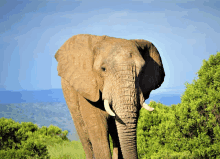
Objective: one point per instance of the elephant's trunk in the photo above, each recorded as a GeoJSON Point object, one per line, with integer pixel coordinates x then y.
{"type": "Point", "coordinates": [126, 126]}
{"type": "Point", "coordinates": [126, 107]}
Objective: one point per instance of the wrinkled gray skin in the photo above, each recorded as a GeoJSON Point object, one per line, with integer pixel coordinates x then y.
{"type": "Point", "coordinates": [120, 73]}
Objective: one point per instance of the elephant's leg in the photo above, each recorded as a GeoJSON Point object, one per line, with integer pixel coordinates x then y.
{"type": "Point", "coordinates": [117, 154]}
{"type": "Point", "coordinates": [72, 101]}
{"type": "Point", "coordinates": [96, 122]}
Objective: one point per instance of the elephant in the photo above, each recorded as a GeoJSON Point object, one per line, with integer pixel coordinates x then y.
{"type": "Point", "coordinates": [105, 81]}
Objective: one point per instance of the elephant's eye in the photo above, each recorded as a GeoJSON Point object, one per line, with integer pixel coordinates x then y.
{"type": "Point", "coordinates": [103, 68]}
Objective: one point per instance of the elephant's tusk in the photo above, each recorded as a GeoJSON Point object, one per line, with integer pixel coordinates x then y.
{"type": "Point", "coordinates": [147, 107]}
{"type": "Point", "coordinates": [108, 109]}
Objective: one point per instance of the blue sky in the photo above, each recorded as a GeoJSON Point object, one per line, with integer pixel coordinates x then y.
{"type": "Point", "coordinates": [31, 32]}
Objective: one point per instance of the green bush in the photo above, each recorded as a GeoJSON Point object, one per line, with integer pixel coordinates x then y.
{"type": "Point", "coordinates": [29, 148]}
{"type": "Point", "coordinates": [27, 140]}
{"type": "Point", "coordinates": [189, 129]}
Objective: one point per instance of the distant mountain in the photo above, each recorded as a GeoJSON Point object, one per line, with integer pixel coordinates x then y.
{"type": "Point", "coordinates": [56, 95]}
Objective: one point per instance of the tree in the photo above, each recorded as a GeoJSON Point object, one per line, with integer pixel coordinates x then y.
{"type": "Point", "coordinates": [191, 128]}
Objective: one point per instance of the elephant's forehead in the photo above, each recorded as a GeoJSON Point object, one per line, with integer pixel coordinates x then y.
{"type": "Point", "coordinates": [121, 47]}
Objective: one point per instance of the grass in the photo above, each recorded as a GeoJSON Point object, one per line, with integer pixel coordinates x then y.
{"type": "Point", "coordinates": [66, 150]}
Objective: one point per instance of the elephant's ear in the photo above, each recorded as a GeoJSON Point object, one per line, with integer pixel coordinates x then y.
{"type": "Point", "coordinates": [75, 62]}
{"type": "Point", "coordinates": [152, 74]}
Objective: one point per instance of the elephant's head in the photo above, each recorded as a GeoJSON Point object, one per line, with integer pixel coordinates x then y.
{"type": "Point", "coordinates": [124, 71]}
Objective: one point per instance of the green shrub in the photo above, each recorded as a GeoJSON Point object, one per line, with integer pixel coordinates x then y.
{"type": "Point", "coordinates": [27, 140]}
{"type": "Point", "coordinates": [189, 129]}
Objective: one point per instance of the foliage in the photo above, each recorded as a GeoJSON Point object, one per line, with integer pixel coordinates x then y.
{"type": "Point", "coordinates": [189, 129]}
{"type": "Point", "coordinates": [26, 139]}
